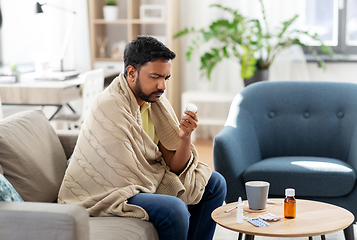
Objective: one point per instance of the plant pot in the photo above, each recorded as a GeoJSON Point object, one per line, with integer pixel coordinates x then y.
{"type": "Point", "coordinates": [110, 13]}
{"type": "Point", "coordinates": [259, 75]}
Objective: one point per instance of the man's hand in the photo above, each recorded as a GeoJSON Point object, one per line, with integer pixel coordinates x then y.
{"type": "Point", "coordinates": [188, 124]}
{"type": "Point", "coordinates": [178, 159]}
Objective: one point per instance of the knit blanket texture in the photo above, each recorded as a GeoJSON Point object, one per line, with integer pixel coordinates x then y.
{"type": "Point", "coordinates": [114, 158]}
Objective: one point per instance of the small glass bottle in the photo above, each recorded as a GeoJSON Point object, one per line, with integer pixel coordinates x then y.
{"type": "Point", "coordinates": [289, 203]}
{"type": "Point", "coordinates": [240, 210]}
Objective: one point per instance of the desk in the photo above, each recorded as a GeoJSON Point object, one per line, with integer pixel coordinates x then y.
{"type": "Point", "coordinates": [43, 93]}
{"type": "Point", "coordinates": [312, 219]}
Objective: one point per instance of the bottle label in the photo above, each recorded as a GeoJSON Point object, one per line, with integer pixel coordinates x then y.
{"type": "Point", "coordinates": [289, 209]}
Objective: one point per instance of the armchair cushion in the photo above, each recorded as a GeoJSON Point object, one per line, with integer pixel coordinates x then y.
{"type": "Point", "coordinates": [31, 156]}
{"type": "Point", "coordinates": [310, 176]}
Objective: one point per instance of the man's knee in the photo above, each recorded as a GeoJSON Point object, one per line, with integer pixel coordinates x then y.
{"type": "Point", "coordinates": [176, 207]}
{"type": "Point", "coordinates": [175, 214]}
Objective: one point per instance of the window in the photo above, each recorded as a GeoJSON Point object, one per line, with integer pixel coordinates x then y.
{"type": "Point", "coordinates": [351, 23]}
{"type": "Point", "coordinates": [335, 21]}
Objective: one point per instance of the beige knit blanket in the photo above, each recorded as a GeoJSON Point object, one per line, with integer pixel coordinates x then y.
{"type": "Point", "coordinates": [114, 158]}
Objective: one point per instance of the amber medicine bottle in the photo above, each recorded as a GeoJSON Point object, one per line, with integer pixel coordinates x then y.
{"type": "Point", "coordinates": [289, 203]}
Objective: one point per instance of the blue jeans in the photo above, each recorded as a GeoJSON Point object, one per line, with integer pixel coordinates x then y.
{"type": "Point", "coordinates": [175, 220]}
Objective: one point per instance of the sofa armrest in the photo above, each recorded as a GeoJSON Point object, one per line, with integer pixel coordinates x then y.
{"type": "Point", "coordinates": [68, 140]}
{"type": "Point", "coordinates": [234, 150]}
{"type": "Point", "coordinates": [34, 221]}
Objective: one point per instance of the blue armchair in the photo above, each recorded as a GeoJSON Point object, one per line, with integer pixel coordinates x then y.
{"type": "Point", "coordinates": [301, 135]}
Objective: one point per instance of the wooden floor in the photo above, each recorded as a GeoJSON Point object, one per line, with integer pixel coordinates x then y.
{"type": "Point", "coordinates": [205, 153]}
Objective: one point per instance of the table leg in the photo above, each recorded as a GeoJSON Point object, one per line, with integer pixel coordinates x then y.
{"type": "Point", "coordinates": [349, 235]}
{"type": "Point", "coordinates": [310, 238]}
{"type": "Point", "coordinates": [58, 108]}
{"type": "Point", "coordinates": [240, 236]}
{"type": "Point", "coordinates": [70, 107]}
{"type": "Point", "coordinates": [323, 237]}
{"type": "Point", "coordinates": [249, 237]}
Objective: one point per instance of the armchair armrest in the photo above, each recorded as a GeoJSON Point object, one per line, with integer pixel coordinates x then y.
{"type": "Point", "coordinates": [68, 140]}
{"type": "Point", "coordinates": [34, 221]}
{"type": "Point", "coordinates": [234, 150]}
{"type": "Point", "coordinates": [352, 156]}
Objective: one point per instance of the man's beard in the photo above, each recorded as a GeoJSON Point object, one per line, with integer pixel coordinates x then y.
{"type": "Point", "coordinates": [139, 92]}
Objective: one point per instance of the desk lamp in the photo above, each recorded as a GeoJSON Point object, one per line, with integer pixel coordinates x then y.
{"type": "Point", "coordinates": [38, 9]}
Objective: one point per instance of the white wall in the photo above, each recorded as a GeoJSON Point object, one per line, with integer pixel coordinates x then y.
{"type": "Point", "coordinates": [28, 37]}
{"type": "Point", "coordinates": [344, 72]}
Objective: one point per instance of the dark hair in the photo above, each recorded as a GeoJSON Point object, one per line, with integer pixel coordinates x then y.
{"type": "Point", "coordinates": [144, 49]}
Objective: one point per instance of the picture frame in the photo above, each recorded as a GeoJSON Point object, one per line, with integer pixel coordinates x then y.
{"type": "Point", "coordinates": [152, 11]}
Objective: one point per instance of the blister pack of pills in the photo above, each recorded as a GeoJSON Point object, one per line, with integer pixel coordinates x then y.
{"type": "Point", "coordinates": [258, 222]}
{"type": "Point", "coordinates": [270, 217]}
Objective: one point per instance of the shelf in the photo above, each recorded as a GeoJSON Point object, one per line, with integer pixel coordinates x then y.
{"type": "Point", "coordinates": [148, 21]}
{"type": "Point", "coordinates": [211, 122]}
{"type": "Point", "coordinates": [107, 37]}
{"type": "Point", "coordinates": [130, 21]}
{"type": "Point", "coordinates": [209, 97]}
{"type": "Point", "coordinates": [127, 27]}
{"type": "Point", "coordinates": [118, 21]}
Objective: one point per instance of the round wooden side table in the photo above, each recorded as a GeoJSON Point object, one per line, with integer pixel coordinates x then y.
{"type": "Point", "coordinates": [312, 219]}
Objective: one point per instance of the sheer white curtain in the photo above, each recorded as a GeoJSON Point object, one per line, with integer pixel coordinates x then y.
{"type": "Point", "coordinates": [28, 37]}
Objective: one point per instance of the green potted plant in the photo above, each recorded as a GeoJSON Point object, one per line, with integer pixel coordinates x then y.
{"type": "Point", "coordinates": [110, 10]}
{"type": "Point", "coordinates": [249, 41]}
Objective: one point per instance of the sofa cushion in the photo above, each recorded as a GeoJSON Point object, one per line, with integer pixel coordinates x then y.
{"type": "Point", "coordinates": [31, 156]}
{"type": "Point", "coordinates": [8, 192]}
{"type": "Point", "coordinates": [121, 228]}
{"type": "Point", "coordinates": [326, 177]}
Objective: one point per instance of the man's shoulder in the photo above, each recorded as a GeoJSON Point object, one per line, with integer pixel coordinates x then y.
{"type": "Point", "coordinates": [111, 102]}
{"type": "Point", "coordinates": [163, 102]}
